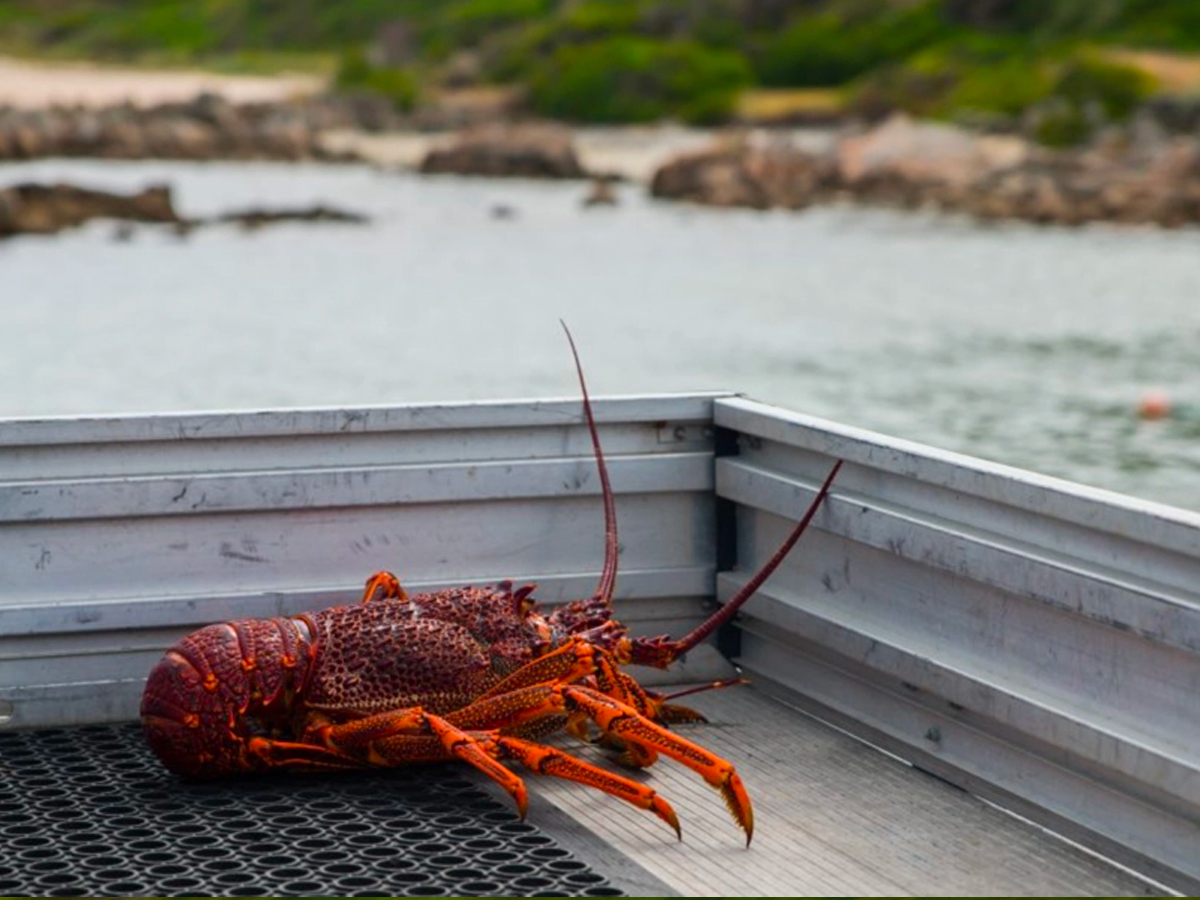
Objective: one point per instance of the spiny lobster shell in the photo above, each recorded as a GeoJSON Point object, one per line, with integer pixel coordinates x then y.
{"type": "Point", "coordinates": [473, 673]}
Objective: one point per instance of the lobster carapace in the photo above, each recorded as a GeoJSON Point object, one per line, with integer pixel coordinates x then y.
{"type": "Point", "coordinates": [477, 674]}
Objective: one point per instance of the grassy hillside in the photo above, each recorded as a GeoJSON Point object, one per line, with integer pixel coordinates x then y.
{"type": "Point", "coordinates": [623, 60]}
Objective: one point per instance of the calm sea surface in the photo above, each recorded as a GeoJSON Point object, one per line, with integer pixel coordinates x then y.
{"type": "Point", "coordinates": [1020, 344]}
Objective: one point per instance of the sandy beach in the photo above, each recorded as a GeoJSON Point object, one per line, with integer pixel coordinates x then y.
{"type": "Point", "coordinates": [26, 84]}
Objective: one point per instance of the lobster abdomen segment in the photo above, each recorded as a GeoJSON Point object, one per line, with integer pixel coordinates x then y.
{"type": "Point", "coordinates": [220, 686]}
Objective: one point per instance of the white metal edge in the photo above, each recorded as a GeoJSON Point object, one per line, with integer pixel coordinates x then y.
{"type": "Point", "coordinates": [342, 420]}
{"type": "Point", "coordinates": [1128, 602]}
{"type": "Point", "coordinates": [373, 485]}
{"type": "Point", "coordinates": [1157, 523]}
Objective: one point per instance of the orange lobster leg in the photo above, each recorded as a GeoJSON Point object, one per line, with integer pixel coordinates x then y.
{"type": "Point", "coordinates": [521, 711]}
{"type": "Point", "coordinates": [464, 746]}
{"type": "Point", "coordinates": [383, 586]}
{"type": "Point", "coordinates": [575, 659]}
{"type": "Point", "coordinates": [627, 723]}
{"type": "Point", "coordinates": [292, 755]}
{"type": "Point", "coordinates": [571, 662]}
{"type": "Point", "coordinates": [550, 761]}
{"type": "Point", "coordinates": [413, 735]}
{"type": "Point", "coordinates": [480, 747]}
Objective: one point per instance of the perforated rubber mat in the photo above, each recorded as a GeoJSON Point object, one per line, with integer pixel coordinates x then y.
{"type": "Point", "coordinates": [90, 812]}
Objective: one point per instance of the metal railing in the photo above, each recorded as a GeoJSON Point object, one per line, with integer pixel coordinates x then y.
{"type": "Point", "coordinates": [119, 535]}
{"type": "Point", "coordinates": [1032, 640]}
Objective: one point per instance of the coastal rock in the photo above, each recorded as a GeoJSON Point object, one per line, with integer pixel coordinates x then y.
{"type": "Point", "coordinates": [46, 209]}
{"type": "Point", "coordinates": [601, 193]}
{"type": "Point", "coordinates": [208, 127]}
{"type": "Point", "coordinates": [180, 138]}
{"type": "Point", "coordinates": [523, 151]}
{"type": "Point", "coordinates": [1075, 188]}
{"type": "Point", "coordinates": [909, 163]}
{"type": "Point", "coordinates": [741, 174]}
{"type": "Point", "coordinates": [1126, 177]}
{"type": "Point", "coordinates": [258, 217]}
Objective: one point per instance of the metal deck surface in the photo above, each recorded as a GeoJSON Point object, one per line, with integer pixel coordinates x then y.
{"type": "Point", "coordinates": [89, 812]}
{"type": "Point", "coordinates": [833, 816]}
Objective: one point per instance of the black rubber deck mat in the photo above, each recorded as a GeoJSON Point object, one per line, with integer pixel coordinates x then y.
{"type": "Point", "coordinates": [90, 812]}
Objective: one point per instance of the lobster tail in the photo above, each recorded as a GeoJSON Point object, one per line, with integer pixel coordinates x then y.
{"type": "Point", "coordinates": [219, 687]}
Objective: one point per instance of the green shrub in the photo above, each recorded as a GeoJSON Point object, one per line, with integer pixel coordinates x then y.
{"type": "Point", "coordinates": [357, 74]}
{"type": "Point", "coordinates": [1003, 76]}
{"type": "Point", "coordinates": [594, 18]}
{"type": "Point", "coordinates": [179, 28]}
{"type": "Point", "coordinates": [828, 49]}
{"type": "Point", "coordinates": [514, 54]}
{"type": "Point", "coordinates": [469, 21]}
{"type": "Point", "coordinates": [1085, 86]}
{"type": "Point", "coordinates": [1118, 89]}
{"type": "Point", "coordinates": [165, 28]}
{"type": "Point", "coordinates": [632, 79]}
{"type": "Point", "coordinates": [1167, 24]}
{"type": "Point", "coordinates": [1063, 125]}
{"type": "Point", "coordinates": [1007, 87]}
{"type": "Point", "coordinates": [1065, 18]}
{"type": "Point", "coordinates": [976, 73]}
{"type": "Point", "coordinates": [719, 23]}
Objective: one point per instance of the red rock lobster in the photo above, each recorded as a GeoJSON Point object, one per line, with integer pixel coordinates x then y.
{"type": "Point", "coordinates": [474, 673]}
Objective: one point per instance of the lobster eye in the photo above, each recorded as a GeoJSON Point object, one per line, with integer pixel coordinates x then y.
{"type": "Point", "coordinates": [541, 628]}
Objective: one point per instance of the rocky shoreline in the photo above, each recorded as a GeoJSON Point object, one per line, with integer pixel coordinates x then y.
{"type": "Point", "coordinates": [1124, 178]}
{"type": "Point", "coordinates": [1138, 175]}
{"type": "Point", "coordinates": [1130, 177]}
{"type": "Point", "coordinates": [205, 128]}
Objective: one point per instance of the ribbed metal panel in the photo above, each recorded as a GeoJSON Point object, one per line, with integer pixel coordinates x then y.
{"type": "Point", "coordinates": [1030, 639]}
{"type": "Point", "coordinates": [120, 534]}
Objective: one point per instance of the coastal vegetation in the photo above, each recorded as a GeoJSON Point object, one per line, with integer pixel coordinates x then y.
{"type": "Point", "coordinates": [1059, 67]}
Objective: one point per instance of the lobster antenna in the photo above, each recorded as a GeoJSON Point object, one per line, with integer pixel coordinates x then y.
{"type": "Point", "coordinates": [608, 576]}
{"type": "Point", "coordinates": [726, 612]}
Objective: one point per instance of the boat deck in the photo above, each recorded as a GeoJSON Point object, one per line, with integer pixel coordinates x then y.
{"type": "Point", "coordinates": [833, 816]}
{"type": "Point", "coordinates": [90, 812]}
{"type": "Point", "coordinates": [1034, 642]}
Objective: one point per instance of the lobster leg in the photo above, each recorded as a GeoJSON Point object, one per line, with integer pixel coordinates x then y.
{"type": "Point", "coordinates": [292, 755]}
{"type": "Point", "coordinates": [629, 725]}
{"type": "Point", "coordinates": [573, 661]}
{"type": "Point", "coordinates": [383, 586]}
{"type": "Point", "coordinates": [414, 735]}
{"type": "Point", "coordinates": [522, 710]}
{"type": "Point", "coordinates": [551, 761]}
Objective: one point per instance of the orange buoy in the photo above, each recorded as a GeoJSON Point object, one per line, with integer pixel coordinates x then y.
{"type": "Point", "coordinates": [1154, 405]}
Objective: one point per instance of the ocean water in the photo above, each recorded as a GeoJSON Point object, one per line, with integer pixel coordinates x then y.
{"type": "Point", "coordinates": [1022, 344]}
